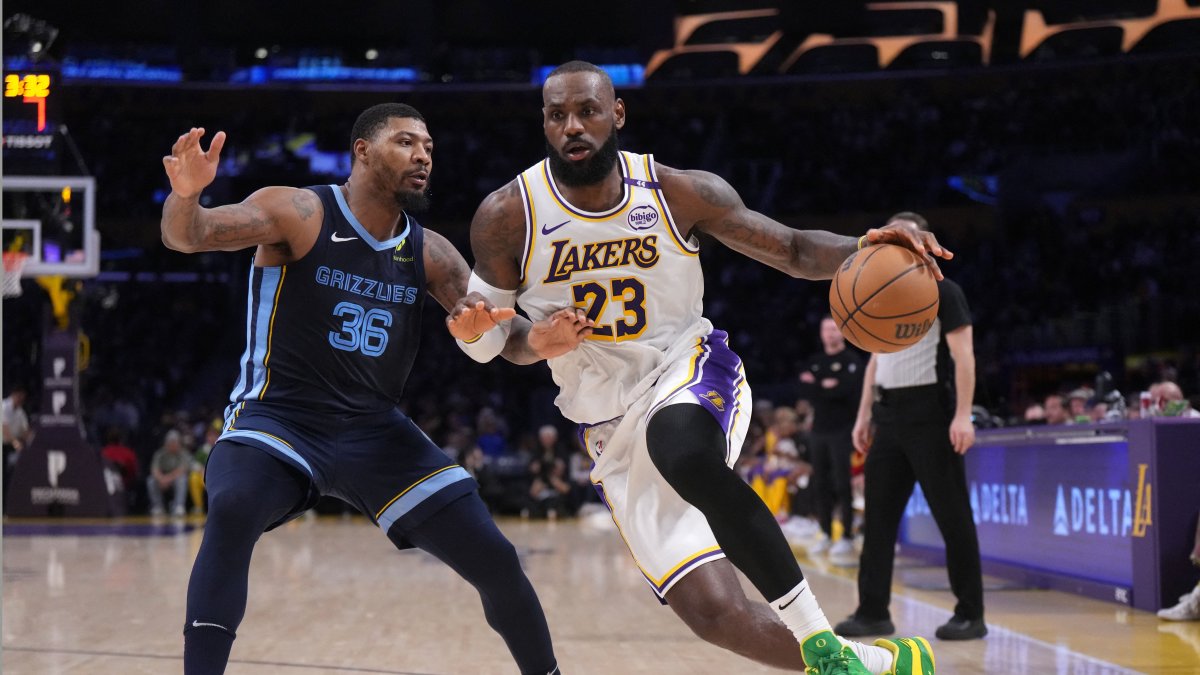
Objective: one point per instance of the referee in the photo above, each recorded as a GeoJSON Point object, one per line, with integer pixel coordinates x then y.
{"type": "Point", "coordinates": [920, 402]}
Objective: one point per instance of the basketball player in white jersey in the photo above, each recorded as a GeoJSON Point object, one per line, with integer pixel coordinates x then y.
{"type": "Point", "coordinates": [662, 402]}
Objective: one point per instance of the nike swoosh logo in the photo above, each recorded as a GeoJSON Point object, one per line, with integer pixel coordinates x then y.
{"type": "Point", "coordinates": [546, 229]}
{"type": "Point", "coordinates": [789, 602]}
{"type": "Point", "coordinates": [198, 624]}
{"type": "Point", "coordinates": [334, 237]}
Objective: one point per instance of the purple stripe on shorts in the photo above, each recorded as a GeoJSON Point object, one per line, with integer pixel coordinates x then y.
{"type": "Point", "coordinates": [683, 570]}
{"type": "Point", "coordinates": [720, 376]}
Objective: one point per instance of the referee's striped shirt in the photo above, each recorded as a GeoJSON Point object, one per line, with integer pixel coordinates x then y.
{"type": "Point", "coordinates": [928, 361]}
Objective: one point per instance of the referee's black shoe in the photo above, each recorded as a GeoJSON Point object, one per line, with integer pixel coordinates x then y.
{"type": "Point", "coordinates": [958, 628]}
{"type": "Point", "coordinates": [856, 627]}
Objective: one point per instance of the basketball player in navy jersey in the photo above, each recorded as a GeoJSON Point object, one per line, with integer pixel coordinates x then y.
{"type": "Point", "coordinates": [662, 401]}
{"type": "Point", "coordinates": [333, 320]}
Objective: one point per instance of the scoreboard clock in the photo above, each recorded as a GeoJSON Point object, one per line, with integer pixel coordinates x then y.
{"type": "Point", "coordinates": [30, 121]}
{"type": "Point", "coordinates": [32, 89]}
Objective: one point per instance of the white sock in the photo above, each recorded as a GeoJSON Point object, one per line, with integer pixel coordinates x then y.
{"type": "Point", "coordinates": [799, 611]}
{"type": "Point", "coordinates": [876, 659]}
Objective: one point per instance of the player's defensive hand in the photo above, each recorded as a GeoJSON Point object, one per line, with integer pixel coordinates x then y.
{"type": "Point", "coordinates": [905, 232]}
{"type": "Point", "coordinates": [474, 315]}
{"type": "Point", "coordinates": [560, 332]}
{"type": "Point", "coordinates": [189, 167]}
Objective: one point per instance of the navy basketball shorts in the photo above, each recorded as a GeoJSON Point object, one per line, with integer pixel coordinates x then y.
{"type": "Point", "coordinates": [380, 463]}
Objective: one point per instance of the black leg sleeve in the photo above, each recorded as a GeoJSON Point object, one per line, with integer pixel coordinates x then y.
{"type": "Point", "coordinates": [688, 448]}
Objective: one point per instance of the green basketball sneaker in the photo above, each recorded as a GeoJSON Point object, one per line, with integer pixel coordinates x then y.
{"type": "Point", "coordinates": [910, 656]}
{"type": "Point", "coordinates": [824, 654]}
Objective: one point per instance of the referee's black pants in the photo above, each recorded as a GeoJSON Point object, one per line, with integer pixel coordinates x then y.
{"type": "Point", "coordinates": [912, 444]}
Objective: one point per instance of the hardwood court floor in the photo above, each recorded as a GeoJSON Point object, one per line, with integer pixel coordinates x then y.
{"type": "Point", "coordinates": [332, 596]}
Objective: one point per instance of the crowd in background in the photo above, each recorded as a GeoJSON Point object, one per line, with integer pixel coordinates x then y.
{"type": "Point", "coordinates": [1068, 195]}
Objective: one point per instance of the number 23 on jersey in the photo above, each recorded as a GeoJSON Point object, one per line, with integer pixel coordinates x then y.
{"type": "Point", "coordinates": [594, 296]}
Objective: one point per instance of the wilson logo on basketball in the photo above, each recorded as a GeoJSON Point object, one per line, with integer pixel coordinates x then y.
{"type": "Point", "coordinates": [908, 331]}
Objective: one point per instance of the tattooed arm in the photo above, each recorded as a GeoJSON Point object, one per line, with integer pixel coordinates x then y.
{"type": "Point", "coordinates": [704, 202]}
{"type": "Point", "coordinates": [446, 271]}
{"type": "Point", "coordinates": [284, 221]}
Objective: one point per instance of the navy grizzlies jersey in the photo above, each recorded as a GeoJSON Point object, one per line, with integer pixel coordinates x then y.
{"type": "Point", "coordinates": [336, 331]}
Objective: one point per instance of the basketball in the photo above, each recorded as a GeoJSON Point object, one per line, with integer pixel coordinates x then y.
{"type": "Point", "coordinates": [884, 298]}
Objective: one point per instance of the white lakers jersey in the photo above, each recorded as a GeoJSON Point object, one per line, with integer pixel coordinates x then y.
{"type": "Point", "coordinates": [633, 273]}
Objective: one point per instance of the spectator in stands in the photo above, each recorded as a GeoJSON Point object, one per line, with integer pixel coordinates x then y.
{"type": "Point", "coordinates": [169, 472]}
{"type": "Point", "coordinates": [1035, 414]}
{"type": "Point", "coordinates": [1171, 402]}
{"type": "Point", "coordinates": [1054, 411]}
{"type": "Point", "coordinates": [548, 487]}
{"type": "Point", "coordinates": [779, 466]}
{"type": "Point", "coordinates": [492, 436]}
{"type": "Point", "coordinates": [17, 431]}
{"type": "Point", "coordinates": [549, 445]}
{"type": "Point", "coordinates": [199, 461]}
{"type": "Point", "coordinates": [1077, 406]}
{"type": "Point", "coordinates": [123, 458]}
{"type": "Point", "coordinates": [579, 472]}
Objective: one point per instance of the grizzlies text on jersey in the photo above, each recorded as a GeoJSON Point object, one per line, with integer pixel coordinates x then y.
{"type": "Point", "coordinates": [335, 332]}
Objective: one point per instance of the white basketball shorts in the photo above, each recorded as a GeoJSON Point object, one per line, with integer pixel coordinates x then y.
{"type": "Point", "coordinates": [667, 536]}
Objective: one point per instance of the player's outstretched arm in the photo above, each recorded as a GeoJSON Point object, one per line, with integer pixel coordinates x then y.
{"type": "Point", "coordinates": [270, 216]}
{"type": "Point", "coordinates": [484, 319]}
{"type": "Point", "coordinates": [712, 206]}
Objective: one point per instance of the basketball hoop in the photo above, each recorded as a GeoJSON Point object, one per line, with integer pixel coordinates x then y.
{"type": "Point", "coordinates": [14, 264]}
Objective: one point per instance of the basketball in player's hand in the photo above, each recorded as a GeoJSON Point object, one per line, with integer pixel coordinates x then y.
{"type": "Point", "coordinates": [884, 298]}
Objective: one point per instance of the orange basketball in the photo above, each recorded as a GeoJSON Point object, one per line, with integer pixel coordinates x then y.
{"type": "Point", "coordinates": [884, 298]}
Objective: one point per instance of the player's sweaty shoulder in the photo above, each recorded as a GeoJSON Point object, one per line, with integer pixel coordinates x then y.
{"type": "Point", "coordinates": [499, 222]}
{"type": "Point", "coordinates": [695, 195]}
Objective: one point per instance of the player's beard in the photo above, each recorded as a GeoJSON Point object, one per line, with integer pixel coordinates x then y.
{"type": "Point", "coordinates": [413, 201]}
{"type": "Point", "coordinates": [591, 170]}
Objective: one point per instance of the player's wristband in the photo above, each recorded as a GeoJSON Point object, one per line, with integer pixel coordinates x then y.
{"type": "Point", "coordinates": [487, 346]}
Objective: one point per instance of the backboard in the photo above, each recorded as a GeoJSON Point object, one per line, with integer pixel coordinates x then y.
{"type": "Point", "coordinates": [53, 220]}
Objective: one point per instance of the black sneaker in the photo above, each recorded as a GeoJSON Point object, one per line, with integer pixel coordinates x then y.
{"type": "Point", "coordinates": [958, 628]}
{"type": "Point", "coordinates": [856, 627]}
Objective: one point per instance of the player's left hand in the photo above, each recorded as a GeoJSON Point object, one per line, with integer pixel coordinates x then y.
{"type": "Point", "coordinates": [962, 434]}
{"type": "Point", "coordinates": [560, 332]}
{"type": "Point", "coordinates": [474, 315]}
{"type": "Point", "coordinates": [905, 232]}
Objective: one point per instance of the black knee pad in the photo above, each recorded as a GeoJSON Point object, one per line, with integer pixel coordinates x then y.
{"type": "Point", "coordinates": [687, 446]}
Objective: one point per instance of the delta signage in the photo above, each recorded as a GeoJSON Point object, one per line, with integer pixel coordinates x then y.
{"type": "Point", "coordinates": [1034, 32]}
{"type": "Point", "coordinates": [1065, 508]}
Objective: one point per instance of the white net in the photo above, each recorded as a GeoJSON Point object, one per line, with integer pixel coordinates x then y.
{"type": "Point", "coordinates": [14, 265]}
